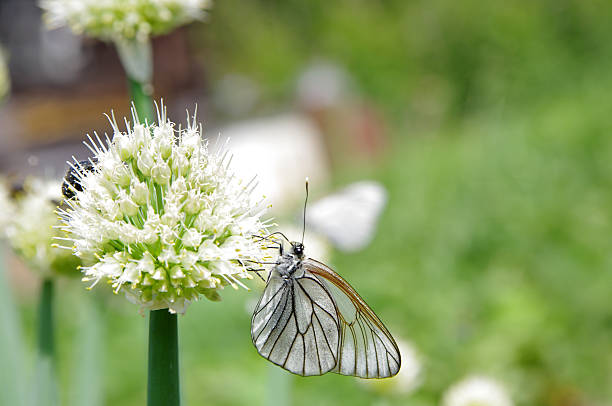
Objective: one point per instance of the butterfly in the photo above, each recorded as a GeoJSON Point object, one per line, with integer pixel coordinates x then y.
{"type": "Point", "coordinates": [310, 321]}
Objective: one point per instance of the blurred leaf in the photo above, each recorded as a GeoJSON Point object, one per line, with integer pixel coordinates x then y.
{"type": "Point", "coordinates": [86, 387]}
{"type": "Point", "coordinates": [12, 374]}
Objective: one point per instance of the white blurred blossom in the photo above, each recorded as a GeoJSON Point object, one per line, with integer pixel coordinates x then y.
{"type": "Point", "coordinates": [162, 219]}
{"type": "Point", "coordinates": [349, 217]}
{"type": "Point", "coordinates": [477, 391]}
{"type": "Point", "coordinates": [33, 228]}
{"type": "Point", "coordinates": [122, 19]}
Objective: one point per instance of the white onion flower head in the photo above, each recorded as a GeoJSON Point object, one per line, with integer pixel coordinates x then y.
{"type": "Point", "coordinates": [477, 391]}
{"type": "Point", "coordinates": [122, 19]}
{"type": "Point", "coordinates": [34, 227]}
{"type": "Point", "coordinates": [163, 219]}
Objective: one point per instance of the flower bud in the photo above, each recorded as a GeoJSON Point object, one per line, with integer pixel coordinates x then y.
{"type": "Point", "coordinates": [180, 164]}
{"type": "Point", "coordinates": [125, 146]}
{"type": "Point", "coordinates": [192, 238]}
{"type": "Point", "coordinates": [139, 192]}
{"type": "Point", "coordinates": [145, 162]}
{"type": "Point", "coordinates": [127, 205]}
{"type": "Point", "coordinates": [161, 173]}
{"type": "Point", "coordinates": [193, 203]}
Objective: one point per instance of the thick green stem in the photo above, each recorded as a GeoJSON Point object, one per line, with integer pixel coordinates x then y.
{"type": "Point", "coordinates": [141, 97]}
{"type": "Point", "coordinates": [46, 388]}
{"type": "Point", "coordinates": [163, 384]}
{"type": "Point", "coordinates": [45, 321]}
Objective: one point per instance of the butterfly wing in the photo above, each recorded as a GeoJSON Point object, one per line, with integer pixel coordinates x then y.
{"type": "Point", "coordinates": [366, 349]}
{"type": "Point", "coordinates": [295, 324]}
{"type": "Point", "coordinates": [349, 217]}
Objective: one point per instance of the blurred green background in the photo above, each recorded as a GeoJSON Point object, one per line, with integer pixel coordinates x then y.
{"type": "Point", "coordinates": [493, 255]}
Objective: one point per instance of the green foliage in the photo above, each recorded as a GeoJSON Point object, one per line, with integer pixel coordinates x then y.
{"type": "Point", "coordinates": [493, 257]}
{"type": "Point", "coordinates": [12, 375]}
{"type": "Point", "coordinates": [414, 58]}
{"type": "Point", "coordinates": [494, 254]}
{"type": "Point", "coordinates": [495, 249]}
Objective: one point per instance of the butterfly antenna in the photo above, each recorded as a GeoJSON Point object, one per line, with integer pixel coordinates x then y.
{"type": "Point", "coordinates": [304, 223]}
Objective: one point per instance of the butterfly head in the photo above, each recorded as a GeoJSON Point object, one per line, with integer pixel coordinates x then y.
{"type": "Point", "coordinates": [298, 249]}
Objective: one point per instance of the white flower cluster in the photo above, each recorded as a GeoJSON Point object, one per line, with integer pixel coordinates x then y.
{"type": "Point", "coordinates": [122, 19]}
{"type": "Point", "coordinates": [477, 391]}
{"type": "Point", "coordinates": [163, 219]}
{"type": "Point", "coordinates": [33, 227]}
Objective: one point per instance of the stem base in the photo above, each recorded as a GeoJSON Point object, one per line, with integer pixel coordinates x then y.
{"type": "Point", "coordinates": [163, 384]}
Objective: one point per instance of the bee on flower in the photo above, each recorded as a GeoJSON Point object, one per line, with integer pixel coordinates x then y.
{"type": "Point", "coordinates": [161, 217]}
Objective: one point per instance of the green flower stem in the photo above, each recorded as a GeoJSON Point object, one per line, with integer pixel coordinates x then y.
{"type": "Point", "coordinates": [163, 385]}
{"type": "Point", "coordinates": [137, 60]}
{"type": "Point", "coordinates": [45, 321]}
{"type": "Point", "coordinates": [88, 369]}
{"type": "Point", "coordinates": [47, 393]}
{"type": "Point", "coordinates": [141, 97]}
{"type": "Point", "coordinates": [163, 375]}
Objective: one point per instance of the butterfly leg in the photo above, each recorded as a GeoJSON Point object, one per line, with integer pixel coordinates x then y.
{"type": "Point", "coordinates": [248, 269]}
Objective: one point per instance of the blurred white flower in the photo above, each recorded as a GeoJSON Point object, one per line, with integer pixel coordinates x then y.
{"type": "Point", "coordinates": [33, 227]}
{"type": "Point", "coordinates": [280, 142]}
{"type": "Point", "coordinates": [477, 391]}
{"type": "Point", "coordinates": [349, 217]}
{"type": "Point", "coordinates": [323, 85]}
{"type": "Point", "coordinates": [407, 379]}
{"type": "Point", "coordinates": [161, 218]}
{"type": "Point", "coordinates": [122, 19]}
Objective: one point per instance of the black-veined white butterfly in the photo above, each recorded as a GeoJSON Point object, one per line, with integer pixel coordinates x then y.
{"type": "Point", "coordinates": [310, 321]}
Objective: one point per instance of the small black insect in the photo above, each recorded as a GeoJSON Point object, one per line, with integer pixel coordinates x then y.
{"type": "Point", "coordinates": [72, 178]}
